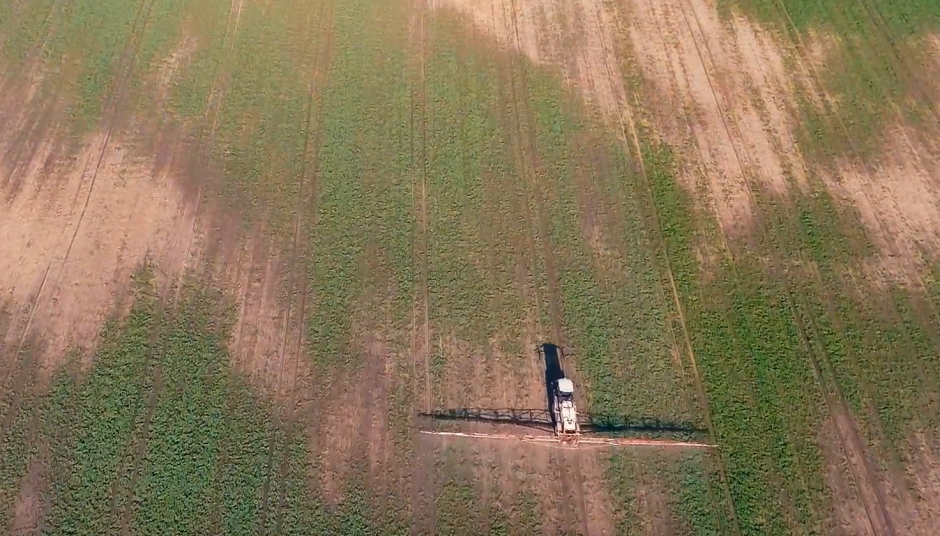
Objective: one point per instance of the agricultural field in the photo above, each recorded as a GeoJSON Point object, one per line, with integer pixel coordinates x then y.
{"type": "Point", "coordinates": [248, 246]}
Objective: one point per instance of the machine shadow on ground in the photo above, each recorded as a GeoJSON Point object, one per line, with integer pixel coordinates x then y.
{"type": "Point", "coordinates": [543, 419]}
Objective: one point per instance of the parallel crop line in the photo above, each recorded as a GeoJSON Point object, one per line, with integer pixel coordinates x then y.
{"type": "Point", "coordinates": [673, 289]}
{"type": "Point", "coordinates": [526, 144]}
{"type": "Point", "coordinates": [322, 47]}
{"type": "Point", "coordinates": [815, 79]}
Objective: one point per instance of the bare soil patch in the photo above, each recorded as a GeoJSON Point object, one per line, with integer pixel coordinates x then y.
{"type": "Point", "coordinates": [168, 71]}
{"type": "Point", "coordinates": [356, 425]}
{"type": "Point", "coordinates": [730, 85]}
{"type": "Point", "coordinates": [878, 501]}
{"type": "Point", "coordinates": [260, 347]}
{"type": "Point", "coordinates": [897, 200]}
{"type": "Point", "coordinates": [724, 93]}
{"type": "Point", "coordinates": [925, 472]}
{"type": "Point", "coordinates": [850, 516]}
{"type": "Point", "coordinates": [27, 510]}
{"type": "Point", "coordinates": [74, 232]}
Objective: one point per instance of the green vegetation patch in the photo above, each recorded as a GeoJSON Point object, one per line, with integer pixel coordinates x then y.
{"type": "Point", "coordinates": [160, 436]}
{"type": "Point", "coordinates": [477, 233]}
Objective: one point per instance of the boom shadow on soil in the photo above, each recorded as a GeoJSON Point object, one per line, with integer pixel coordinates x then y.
{"type": "Point", "coordinates": [544, 419]}
{"type": "Point", "coordinates": [541, 419]}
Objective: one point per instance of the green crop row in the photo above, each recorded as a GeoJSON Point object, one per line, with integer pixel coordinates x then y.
{"type": "Point", "coordinates": [19, 445]}
{"type": "Point", "coordinates": [205, 452]}
{"type": "Point", "coordinates": [742, 345]}
{"type": "Point", "coordinates": [99, 50]}
{"type": "Point", "coordinates": [674, 494]}
{"type": "Point", "coordinates": [616, 321]}
{"type": "Point", "coordinates": [475, 227]}
{"type": "Point", "coordinates": [360, 244]}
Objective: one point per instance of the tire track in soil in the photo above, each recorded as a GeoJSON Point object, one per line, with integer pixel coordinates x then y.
{"type": "Point", "coordinates": [213, 110]}
{"type": "Point", "coordinates": [424, 488]}
{"type": "Point", "coordinates": [124, 509]}
{"type": "Point", "coordinates": [419, 162]}
{"type": "Point", "coordinates": [776, 480]}
{"type": "Point", "coordinates": [527, 158]}
{"type": "Point", "coordinates": [699, 43]}
{"type": "Point", "coordinates": [669, 274]}
{"type": "Point", "coordinates": [726, 247]}
{"type": "Point", "coordinates": [877, 512]}
{"type": "Point", "coordinates": [308, 182]}
{"type": "Point", "coordinates": [859, 456]}
{"type": "Point", "coordinates": [111, 117]}
{"type": "Point", "coordinates": [858, 453]}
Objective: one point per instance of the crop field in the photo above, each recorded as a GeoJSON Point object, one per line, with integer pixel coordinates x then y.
{"type": "Point", "coordinates": [247, 247]}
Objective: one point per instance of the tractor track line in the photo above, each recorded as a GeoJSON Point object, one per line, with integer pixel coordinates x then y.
{"type": "Point", "coordinates": [519, 162]}
{"type": "Point", "coordinates": [140, 448]}
{"type": "Point", "coordinates": [418, 129]}
{"type": "Point", "coordinates": [751, 395]}
{"type": "Point", "coordinates": [113, 103]}
{"type": "Point", "coordinates": [533, 176]}
{"type": "Point", "coordinates": [219, 84]}
{"type": "Point", "coordinates": [213, 111]}
{"type": "Point", "coordinates": [630, 126]}
{"type": "Point", "coordinates": [214, 106]}
{"type": "Point", "coordinates": [321, 80]}
{"type": "Point", "coordinates": [700, 43]}
{"type": "Point", "coordinates": [895, 308]}
{"type": "Point", "coordinates": [307, 189]}
{"type": "Point", "coordinates": [420, 253]}
{"type": "Point", "coordinates": [423, 157]}
{"type": "Point", "coordinates": [123, 510]}
{"type": "Point", "coordinates": [229, 406]}
{"type": "Point", "coordinates": [669, 273]}
{"type": "Point", "coordinates": [520, 97]}
{"type": "Point", "coordinates": [40, 43]}
{"type": "Point", "coordinates": [623, 106]}
{"type": "Point", "coordinates": [854, 439]}
{"type": "Point", "coordinates": [814, 77]}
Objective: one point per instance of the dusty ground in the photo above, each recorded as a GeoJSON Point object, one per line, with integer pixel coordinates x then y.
{"type": "Point", "coordinates": [27, 512]}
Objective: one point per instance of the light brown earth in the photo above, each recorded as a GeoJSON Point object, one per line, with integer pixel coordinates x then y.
{"type": "Point", "coordinates": [872, 498]}
{"type": "Point", "coordinates": [27, 511]}
{"type": "Point", "coordinates": [653, 509]}
{"type": "Point", "coordinates": [75, 231]}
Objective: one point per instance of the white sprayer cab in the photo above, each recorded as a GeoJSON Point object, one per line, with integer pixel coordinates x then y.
{"type": "Point", "coordinates": [566, 413]}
